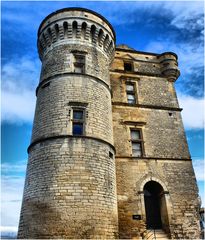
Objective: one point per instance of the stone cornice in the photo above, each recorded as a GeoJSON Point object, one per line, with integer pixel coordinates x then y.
{"type": "Point", "coordinates": [147, 106]}
{"type": "Point", "coordinates": [49, 79]}
{"type": "Point", "coordinates": [43, 139]}
{"type": "Point", "coordinates": [154, 158]}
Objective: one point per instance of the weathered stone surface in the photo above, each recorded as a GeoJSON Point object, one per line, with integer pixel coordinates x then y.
{"type": "Point", "coordinates": [89, 186]}
{"type": "Point", "coordinates": [70, 188]}
{"type": "Point", "coordinates": [56, 101]}
{"type": "Point", "coordinates": [70, 191]}
{"type": "Point", "coordinates": [166, 158]}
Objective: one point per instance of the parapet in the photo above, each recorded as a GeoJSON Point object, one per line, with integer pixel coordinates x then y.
{"type": "Point", "coordinates": [76, 25]}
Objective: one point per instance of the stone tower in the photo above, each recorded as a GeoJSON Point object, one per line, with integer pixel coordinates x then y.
{"type": "Point", "coordinates": [70, 188]}
{"type": "Point", "coordinates": [156, 186]}
{"type": "Point", "coordinates": [108, 156]}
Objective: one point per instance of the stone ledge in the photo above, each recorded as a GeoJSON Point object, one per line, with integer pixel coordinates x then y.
{"type": "Point", "coordinates": [67, 136]}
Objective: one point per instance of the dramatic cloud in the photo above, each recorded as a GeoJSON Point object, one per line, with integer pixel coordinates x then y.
{"type": "Point", "coordinates": [191, 65]}
{"type": "Point", "coordinates": [180, 29]}
{"type": "Point", "coordinates": [190, 19]}
{"type": "Point", "coordinates": [19, 79]}
{"type": "Point", "coordinates": [193, 111]}
{"type": "Point", "coordinates": [17, 107]}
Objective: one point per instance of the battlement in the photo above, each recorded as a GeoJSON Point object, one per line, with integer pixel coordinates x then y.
{"type": "Point", "coordinates": [72, 25]}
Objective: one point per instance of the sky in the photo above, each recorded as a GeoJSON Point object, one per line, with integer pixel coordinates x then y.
{"type": "Point", "coordinates": [145, 26]}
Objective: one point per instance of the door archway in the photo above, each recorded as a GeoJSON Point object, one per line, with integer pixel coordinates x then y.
{"type": "Point", "coordinates": [155, 206]}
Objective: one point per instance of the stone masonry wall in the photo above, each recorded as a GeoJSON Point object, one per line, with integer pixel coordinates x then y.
{"type": "Point", "coordinates": [60, 60]}
{"type": "Point", "coordinates": [163, 134]}
{"type": "Point", "coordinates": [70, 191]}
{"type": "Point", "coordinates": [74, 189]}
{"type": "Point", "coordinates": [53, 114]}
{"type": "Point", "coordinates": [165, 158]}
{"type": "Point", "coordinates": [150, 90]}
{"type": "Point", "coordinates": [181, 201]}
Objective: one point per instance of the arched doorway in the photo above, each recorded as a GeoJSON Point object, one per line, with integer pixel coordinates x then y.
{"type": "Point", "coordinates": [155, 206]}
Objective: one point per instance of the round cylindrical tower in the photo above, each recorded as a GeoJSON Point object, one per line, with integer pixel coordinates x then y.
{"type": "Point", "coordinates": [70, 188]}
{"type": "Point", "coordinates": [169, 66]}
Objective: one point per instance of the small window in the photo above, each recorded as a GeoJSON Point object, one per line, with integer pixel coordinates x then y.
{"type": "Point", "coordinates": [128, 66]}
{"type": "Point", "coordinates": [110, 154]}
{"type": "Point", "coordinates": [130, 89]}
{"type": "Point", "coordinates": [78, 122]}
{"type": "Point", "coordinates": [137, 142]}
{"type": "Point", "coordinates": [79, 63]}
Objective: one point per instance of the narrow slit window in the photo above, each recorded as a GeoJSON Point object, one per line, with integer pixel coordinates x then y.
{"type": "Point", "coordinates": [79, 63]}
{"type": "Point", "coordinates": [130, 89]}
{"type": "Point", "coordinates": [78, 122]}
{"type": "Point", "coordinates": [137, 143]}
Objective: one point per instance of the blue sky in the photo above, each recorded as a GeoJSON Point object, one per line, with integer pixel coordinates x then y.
{"type": "Point", "coordinates": [146, 26]}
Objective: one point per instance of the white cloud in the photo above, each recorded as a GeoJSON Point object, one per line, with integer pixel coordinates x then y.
{"type": "Point", "coordinates": [11, 198]}
{"type": "Point", "coordinates": [191, 63]}
{"type": "Point", "coordinates": [8, 229]}
{"type": "Point", "coordinates": [13, 168]}
{"type": "Point", "coordinates": [18, 106]}
{"type": "Point", "coordinates": [186, 40]}
{"type": "Point", "coordinates": [19, 79]}
{"type": "Point", "coordinates": [180, 12]}
{"type": "Point", "coordinates": [193, 111]}
{"type": "Point", "coordinates": [192, 13]}
{"type": "Point", "coordinates": [198, 165]}
{"type": "Point", "coordinates": [8, 232]}
{"type": "Point", "coordinates": [189, 57]}
{"type": "Point", "coordinates": [24, 71]}
{"type": "Point", "coordinates": [12, 183]}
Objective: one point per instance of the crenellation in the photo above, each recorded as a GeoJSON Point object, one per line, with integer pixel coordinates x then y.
{"type": "Point", "coordinates": [77, 30]}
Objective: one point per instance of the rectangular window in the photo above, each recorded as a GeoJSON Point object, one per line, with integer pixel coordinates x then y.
{"type": "Point", "coordinates": [128, 66]}
{"type": "Point", "coordinates": [137, 142]}
{"type": "Point", "coordinates": [78, 122]}
{"type": "Point", "coordinates": [79, 63]}
{"type": "Point", "coordinates": [130, 89]}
